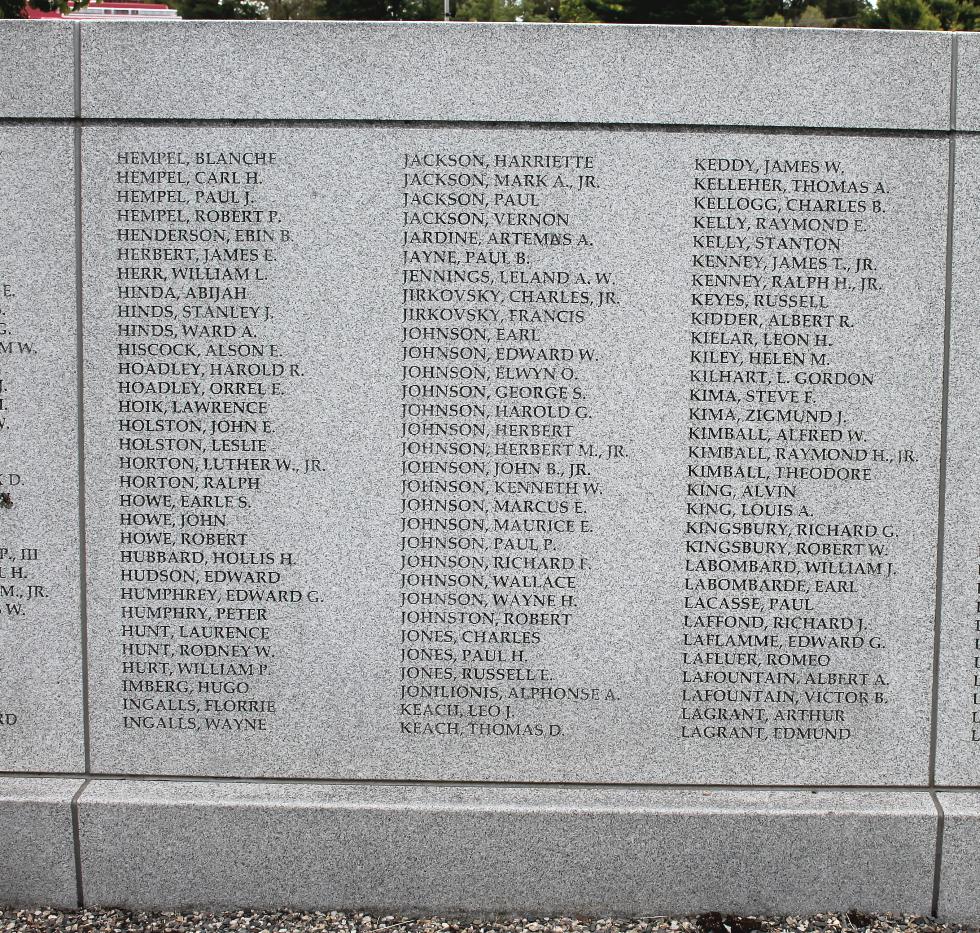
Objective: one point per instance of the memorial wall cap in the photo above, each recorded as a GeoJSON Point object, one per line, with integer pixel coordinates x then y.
{"type": "Point", "coordinates": [551, 73]}
{"type": "Point", "coordinates": [968, 82]}
{"type": "Point", "coordinates": [37, 69]}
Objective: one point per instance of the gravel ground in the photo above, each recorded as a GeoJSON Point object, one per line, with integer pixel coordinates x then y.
{"type": "Point", "coordinates": [247, 921]}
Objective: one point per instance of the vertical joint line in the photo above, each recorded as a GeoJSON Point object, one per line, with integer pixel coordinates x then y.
{"type": "Point", "coordinates": [76, 837]}
{"type": "Point", "coordinates": [938, 865]}
{"type": "Point", "coordinates": [954, 58]}
{"type": "Point", "coordinates": [944, 423]}
{"type": "Point", "coordinates": [76, 34]}
{"type": "Point", "coordinates": [80, 434]}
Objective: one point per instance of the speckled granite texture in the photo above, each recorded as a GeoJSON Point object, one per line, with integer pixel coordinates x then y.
{"type": "Point", "coordinates": [36, 69]}
{"type": "Point", "coordinates": [512, 73]}
{"type": "Point", "coordinates": [498, 849]}
{"type": "Point", "coordinates": [214, 781]}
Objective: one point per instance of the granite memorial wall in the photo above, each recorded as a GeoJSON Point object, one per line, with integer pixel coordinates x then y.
{"type": "Point", "coordinates": [487, 468]}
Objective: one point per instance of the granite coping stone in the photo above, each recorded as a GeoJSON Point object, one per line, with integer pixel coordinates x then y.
{"type": "Point", "coordinates": [37, 861]}
{"type": "Point", "coordinates": [36, 69]}
{"type": "Point", "coordinates": [543, 72]}
{"type": "Point", "coordinates": [497, 849]}
{"type": "Point", "coordinates": [968, 82]}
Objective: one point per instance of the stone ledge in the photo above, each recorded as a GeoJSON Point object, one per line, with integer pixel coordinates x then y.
{"type": "Point", "coordinates": [959, 895]}
{"type": "Point", "coordinates": [37, 860]}
{"type": "Point", "coordinates": [468, 849]}
{"type": "Point", "coordinates": [550, 73]}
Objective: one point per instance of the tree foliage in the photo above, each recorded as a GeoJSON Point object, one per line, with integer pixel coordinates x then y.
{"type": "Point", "coordinates": [903, 14]}
{"type": "Point", "coordinates": [15, 9]}
{"type": "Point", "coordinates": [223, 9]}
{"type": "Point", "coordinates": [292, 9]}
{"type": "Point", "coordinates": [697, 12]}
{"type": "Point", "coordinates": [523, 11]}
{"type": "Point", "coordinates": [851, 13]}
{"type": "Point", "coordinates": [892, 14]}
{"type": "Point", "coordinates": [956, 14]}
{"type": "Point", "coordinates": [826, 13]}
{"type": "Point", "coordinates": [379, 9]}
{"type": "Point", "coordinates": [886, 14]}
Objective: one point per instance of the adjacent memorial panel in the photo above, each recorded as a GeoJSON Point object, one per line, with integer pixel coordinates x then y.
{"type": "Point", "coordinates": [958, 739]}
{"type": "Point", "coordinates": [512, 455]}
{"type": "Point", "coordinates": [40, 615]}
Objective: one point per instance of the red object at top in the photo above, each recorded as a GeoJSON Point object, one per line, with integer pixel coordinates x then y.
{"type": "Point", "coordinates": [109, 10]}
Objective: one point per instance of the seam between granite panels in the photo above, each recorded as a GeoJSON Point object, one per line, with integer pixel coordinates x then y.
{"type": "Point", "coordinates": [36, 121]}
{"type": "Point", "coordinates": [492, 808]}
{"type": "Point", "coordinates": [76, 45]}
{"type": "Point", "coordinates": [558, 125]}
{"type": "Point", "coordinates": [943, 432]}
{"type": "Point", "coordinates": [818, 807]}
{"type": "Point", "coordinates": [938, 863]}
{"type": "Point", "coordinates": [80, 439]}
{"type": "Point", "coordinates": [869, 132]}
{"type": "Point", "coordinates": [954, 77]}
{"type": "Point", "coordinates": [524, 785]}
{"type": "Point", "coordinates": [76, 839]}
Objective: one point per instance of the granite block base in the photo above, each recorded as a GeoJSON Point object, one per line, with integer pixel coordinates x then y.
{"type": "Point", "coordinates": [493, 849]}
{"type": "Point", "coordinates": [37, 857]}
{"type": "Point", "coordinates": [959, 893]}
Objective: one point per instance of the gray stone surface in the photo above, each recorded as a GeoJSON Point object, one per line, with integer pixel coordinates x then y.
{"type": "Point", "coordinates": [489, 849]}
{"type": "Point", "coordinates": [40, 619]}
{"type": "Point", "coordinates": [36, 69]}
{"type": "Point", "coordinates": [968, 82]}
{"type": "Point", "coordinates": [959, 896]}
{"type": "Point", "coordinates": [645, 643]}
{"type": "Point", "coordinates": [524, 457]}
{"type": "Point", "coordinates": [37, 861]}
{"type": "Point", "coordinates": [958, 739]}
{"type": "Point", "coordinates": [511, 73]}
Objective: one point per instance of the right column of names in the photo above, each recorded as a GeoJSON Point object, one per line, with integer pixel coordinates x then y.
{"type": "Point", "coordinates": [787, 551]}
